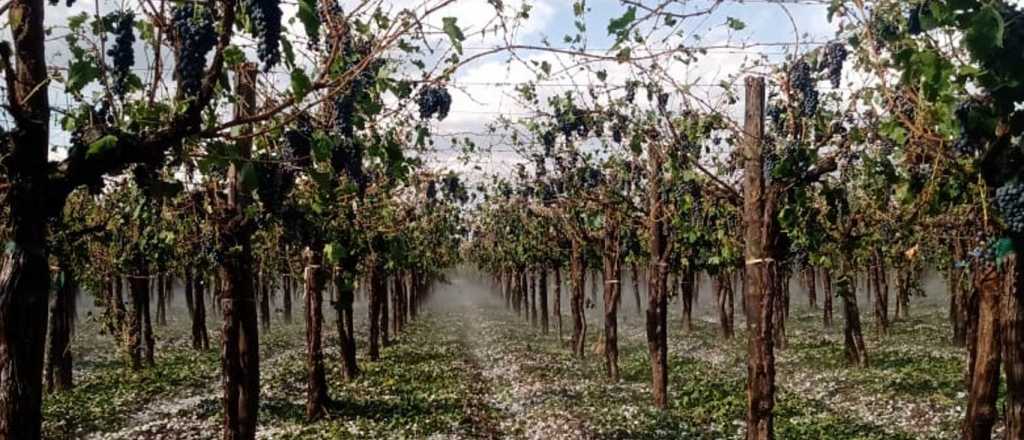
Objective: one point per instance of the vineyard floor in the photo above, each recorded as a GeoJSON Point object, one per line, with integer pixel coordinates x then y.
{"type": "Point", "coordinates": [468, 368]}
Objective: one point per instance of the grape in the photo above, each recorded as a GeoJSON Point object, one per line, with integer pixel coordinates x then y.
{"type": "Point", "coordinates": [630, 91]}
{"type": "Point", "coordinates": [617, 133]}
{"type": "Point", "coordinates": [298, 143]}
{"type": "Point", "coordinates": [802, 81]}
{"type": "Point", "coordinates": [662, 101]}
{"type": "Point", "coordinates": [775, 114]}
{"type": "Point", "coordinates": [121, 51]}
{"type": "Point", "coordinates": [810, 103]}
{"type": "Point", "coordinates": [1010, 201]}
{"type": "Point", "coordinates": [913, 19]}
{"type": "Point", "coordinates": [833, 59]}
{"type": "Point", "coordinates": [196, 37]}
{"type": "Point", "coordinates": [547, 138]}
{"type": "Point", "coordinates": [434, 101]}
{"type": "Point", "coordinates": [265, 18]}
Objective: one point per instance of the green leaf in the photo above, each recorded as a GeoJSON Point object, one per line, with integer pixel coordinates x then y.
{"type": "Point", "coordinates": [333, 253]}
{"type": "Point", "coordinates": [617, 25]}
{"type": "Point", "coordinates": [82, 72]}
{"type": "Point", "coordinates": [454, 33]}
{"type": "Point", "coordinates": [301, 84]}
{"type": "Point", "coordinates": [986, 32]}
{"type": "Point", "coordinates": [310, 18]}
{"type": "Point", "coordinates": [101, 146]}
{"type": "Point", "coordinates": [233, 56]}
{"type": "Point", "coordinates": [735, 24]}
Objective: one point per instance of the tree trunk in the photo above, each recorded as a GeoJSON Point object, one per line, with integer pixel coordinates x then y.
{"type": "Point", "coordinates": [161, 301]}
{"type": "Point", "coordinates": [826, 308]}
{"type": "Point", "coordinates": [657, 289]}
{"type": "Point", "coordinates": [686, 294]}
{"type": "Point", "coordinates": [24, 271]}
{"type": "Point", "coordinates": [558, 299]}
{"type": "Point", "coordinates": [579, 321]}
{"type": "Point", "coordinates": [264, 295]}
{"type": "Point", "coordinates": [200, 337]}
{"type": "Point", "coordinates": [378, 288]}
{"type": "Point", "coordinates": [344, 284]}
{"type": "Point", "coordinates": [1013, 347]}
{"type": "Point", "coordinates": [385, 334]}
{"type": "Point", "coordinates": [722, 285]}
{"type": "Point", "coordinates": [612, 292]}
{"type": "Point", "coordinates": [761, 266]}
{"type": "Point", "coordinates": [983, 382]}
{"type": "Point", "coordinates": [542, 293]}
{"type": "Point", "coordinates": [240, 355]}
{"type": "Point", "coordinates": [853, 337]}
{"type": "Point", "coordinates": [286, 298]}
{"type": "Point", "coordinates": [636, 288]}
{"type": "Point", "coordinates": [531, 280]}
{"type": "Point", "coordinates": [62, 328]}
{"type": "Point", "coordinates": [139, 286]}
{"type": "Point", "coordinates": [876, 275]}
{"type": "Point", "coordinates": [316, 380]}
{"type": "Point", "coordinates": [189, 292]}
{"type": "Point", "coordinates": [810, 275]}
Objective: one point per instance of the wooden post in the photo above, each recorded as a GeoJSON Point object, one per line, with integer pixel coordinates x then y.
{"type": "Point", "coordinates": [760, 268]}
{"type": "Point", "coordinates": [240, 362]}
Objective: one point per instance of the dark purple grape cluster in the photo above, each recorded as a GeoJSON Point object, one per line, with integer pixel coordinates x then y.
{"type": "Point", "coordinates": [970, 141]}
{"type": "Point", "coordinates": [298, 143]}
{"type": "Point", "coordinates": [196, 37]}
{"type": "Point", "coordinates": [631, 91]}
{"type": "Point", "coordinates": [914, 18]}
{"type": "Point", "coordinates": [1010, 201]}
{"type": "Point", "coordinates": [265, 19]}
{"type": "Point", "coordinates": [122, 52]}
{"type": "Point", "coordinates": [434, 101]}
{"type": "Point", "coordinates": [801, 80]}
{"type": "Point", "coordinates": [775, 115]}
{"type": "Point", "coordinates": [832, 60]}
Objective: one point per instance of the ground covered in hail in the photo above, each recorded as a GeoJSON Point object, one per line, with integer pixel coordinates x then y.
{"type": "Point", "coordinates": [468, 368]}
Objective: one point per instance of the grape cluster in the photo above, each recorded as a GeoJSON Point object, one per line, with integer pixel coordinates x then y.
{"type": "Point", "coordinates": [970, 139]}
{"type": "Point", "coordinates": [1010, 201]}
{"type": "Point", "coordinates": [122, 51]}
{"type": "Point", "coordinates": [573, 121]}
{"type": "Point", "coordinates": [547, 138]}
{"type": "Point", "coordinates": [832, 60]}
{"type": "Point", "coordinates": [298, 143]}
{"type": "Point", "coordinates": [196, 37]}
{"type": "Point", "coordinates": [914, 19]}
{"type": "Point", "coordinates": [434, 101]}
{"type": "Point", "coordinates": [775, 115]}
{"type": "Point", "coordinates": [631, 91]}
{"type": "Point", "coordinates": [801, 80]}
{"type": "Point", "coordinates": [617, 133]}
{"type": "Point", "coordinates": [274, 183]}
{"type": "Point", "coordinates": [265, 18]}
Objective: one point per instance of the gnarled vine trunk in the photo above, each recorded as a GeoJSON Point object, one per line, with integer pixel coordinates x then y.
{"type": "Point", "coordinates": [579, 321]}
{"type": "Point", "coordinates": [316, 379]}
{"type": "Point", "coordinates": [657, 288]}
{"type": "Point", "coordinates": [983, 376]}
{"type": "Point", "coordinates": [346, 326]}
{"type": "Point", "coordinates": [200, 337]}
{"type": "Point", "coordinates": [612, 292]}
{"type": "Point", "coordinates": [62, 328]}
